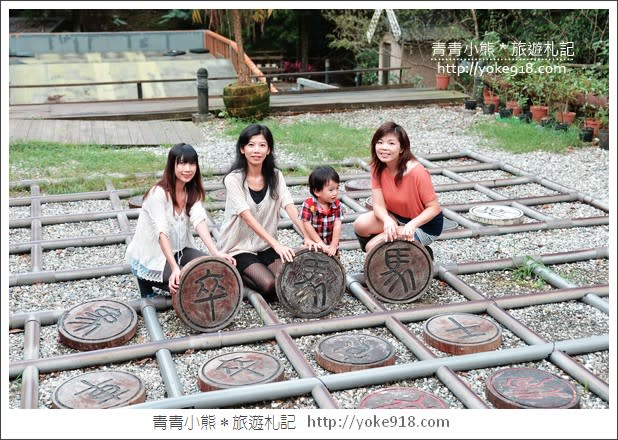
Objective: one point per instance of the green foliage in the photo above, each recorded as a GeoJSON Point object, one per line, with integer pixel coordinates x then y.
{"type": "Point", "coordinates": [518, 137]}
{"type": "Point", "coordinates": [117, 21]}
{"type": "Point", "coordinates": [585, 28]}
{"type": "Point", "coordinates": [176, 14]}
{"type": "Point", "coordinates": [415, 81]}
{"type": "Point", "coordinates": [350, 30]}
{"type": "Point", "coordinates": [525, 273]}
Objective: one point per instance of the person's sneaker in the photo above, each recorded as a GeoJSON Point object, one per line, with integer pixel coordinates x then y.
{"type": "Point", "coordinates": [430, 251]}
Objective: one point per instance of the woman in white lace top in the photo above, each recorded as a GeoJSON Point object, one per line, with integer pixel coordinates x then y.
{"type": "Point", "coordinates": [163, 242]}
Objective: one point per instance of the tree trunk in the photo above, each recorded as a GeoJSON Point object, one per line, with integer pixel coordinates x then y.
{"type": "Point", "coordinates": [475, 85]}
{"type": "Point", "coordinates": [243, 75]}
{"type": "Point", "coordinates": [304, 44]}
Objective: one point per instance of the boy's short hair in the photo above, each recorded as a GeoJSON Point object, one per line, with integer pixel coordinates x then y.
{"type": "Point", "coordinates": [319, 176]}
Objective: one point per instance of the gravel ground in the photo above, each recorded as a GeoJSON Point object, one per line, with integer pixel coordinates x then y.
{"type": "Point", "coordinates": [431, 130]}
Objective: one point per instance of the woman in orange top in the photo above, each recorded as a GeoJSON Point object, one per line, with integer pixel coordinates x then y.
{"type": "Point", "coordinates": [404, 201]}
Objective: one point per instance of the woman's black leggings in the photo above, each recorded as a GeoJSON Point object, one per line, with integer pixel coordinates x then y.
{"type": "Point", "coordinates": [183, 257]}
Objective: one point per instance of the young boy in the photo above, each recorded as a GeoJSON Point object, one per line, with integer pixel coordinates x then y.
{"type": "Point", "coordinates": [322, 213]}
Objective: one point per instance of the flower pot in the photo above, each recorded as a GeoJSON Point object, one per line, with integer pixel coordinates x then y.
{"type": "Point", "coordinates": [565, 117]}
{"type": "Point", "coordinates": [470, 104]}
{"type": "Point", "coordinates": [580, 99]}
{"type": "Point", "coordinates": [506, 112]}
{"type": "Point", "coordinates": [513, 105]}
{"type": "Point", "coordinates": [247, 101]}
{"type": "Point", "coordinates": [595, 124]}
{"type": "Point", "coordinates": [602, 100]}
{"type": "Point", "coordinates": [539, 112]}
{"type": "Point", "coordinates": [604, 138]}
{"type": "Point", "coordinates": [493, 99]}
{"type": "Point", "coordinates": [596, 100]}
{"type": "Point", "coordinates": [525, 117]}
{"type": "Point", "coordinates": [442, 81]}
{"type": "Point", "coordinates": [586, 134]}
{"type": "Point", "coordinates": [489, 109]}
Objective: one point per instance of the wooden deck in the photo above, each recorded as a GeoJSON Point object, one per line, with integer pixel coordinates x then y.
{"type": "Point", "coordinates": [183, 108]}
{"type": "Point", "coordinates": [164, 121]}
{"type": "Point", "coordinates": [105, 132]}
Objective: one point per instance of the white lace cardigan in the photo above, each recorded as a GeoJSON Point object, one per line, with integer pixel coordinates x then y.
{"type": "Point", "coordinates": [144, 253]}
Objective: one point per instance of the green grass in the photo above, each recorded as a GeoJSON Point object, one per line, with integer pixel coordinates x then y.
{"type": "Point", "coordinates": [52, 160]}
{"type": "Point", "coordinates": [78, 168]}
{"type": "Point", "coordinates": [315, 141]}
{"type": "Point", "coordinates": [519, 137]}
{"type": "Point", "coordinates": [525, 273]}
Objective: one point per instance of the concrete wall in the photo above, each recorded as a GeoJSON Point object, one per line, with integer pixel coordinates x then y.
{"type": "Point", "coordinates": [84, 42]}
{"type": "Point", "coordinates": [414, 55]}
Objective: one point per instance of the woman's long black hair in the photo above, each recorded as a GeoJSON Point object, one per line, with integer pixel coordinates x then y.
{"type": "Point", "coordinates": [404, 142]}
{"type": "Point", "coordinates": [181, 153]}
{"type": "Point", "coordinates": [269, 165]}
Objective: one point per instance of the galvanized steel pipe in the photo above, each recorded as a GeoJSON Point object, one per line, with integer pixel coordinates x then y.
{"type": "Point", "coordinates": [30, 376]}
{"type": "Point", "coordinates": [173, 385]}
{"type": "Point", "coordinates": [320, 393]}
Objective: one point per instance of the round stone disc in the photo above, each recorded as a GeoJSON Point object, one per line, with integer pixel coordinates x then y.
{"type": "Point", "coordinates": [530, 388]}
{"type": "Point", "coordinates": [401, 398]}
{"type": "Point", "coordinates": [239, 368]}
{"type": "Point", "coordinates": [358, 184]}
{"type": "Point", "coordinates": [399, 271]}
{"type": "Point", "coordinates": [217, 195]}
{"type": "Point", "coordinates": [496, 214]}
{"type": "Point", "coordinates": [312, 285]}
{"type": "Point", "coordinates": [96, 324]}
{"type": "Point", "coordinates": [209, 294]}
{"type": "Point", "coordinates": [136, 201]}
{"type": "Point", "coordinates": [462, 333]}
{"type": "Point", "coordinates": [100, 390]}
{"type": "Point", "coordinates": [354, 351]}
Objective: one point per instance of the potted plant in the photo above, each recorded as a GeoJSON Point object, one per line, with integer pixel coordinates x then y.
{"type": "Point", "coordinates": [537, 86]}
{"type": "Point", "coordinates": [515, 98]}
{"type": "Point", "coordinates": [244, 99]}
{"type": "Point", "coordinates": [590, 118]}
{"type": "Point", "coordinates": [442, 81]}
{"type": "Point", "coordinates": [586, 134]}
{"type": "Point", "coordinates": [603, 115]}
{"type": "Point", "coordinates": [564, 91]}
{"type": "Point", "coordinates": [489, 94]}
{"type": "Point", "coordinates": [470, 104]}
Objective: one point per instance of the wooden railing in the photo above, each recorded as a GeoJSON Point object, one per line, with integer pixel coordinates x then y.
{"type": "Point", "coordinates": [257, 77]}
{"type": "Point", "coordinates": [220, 46]}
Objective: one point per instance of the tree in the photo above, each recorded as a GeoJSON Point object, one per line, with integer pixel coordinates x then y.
{"type": "Point", "coordinates": [239, 17]}
{"type": "Point", "coordinates": [243, 74]}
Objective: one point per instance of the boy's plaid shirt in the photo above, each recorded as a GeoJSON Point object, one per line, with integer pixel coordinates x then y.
{"type": "Point", "coordinates": [323, 221]}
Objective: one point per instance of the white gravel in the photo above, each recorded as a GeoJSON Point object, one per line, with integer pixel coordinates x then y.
{"type": "Point", "coordinates": [432, 130]}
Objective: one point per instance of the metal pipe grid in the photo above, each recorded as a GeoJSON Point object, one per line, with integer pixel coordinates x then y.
{"type": "Point", "coordinates": [320, 387]}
